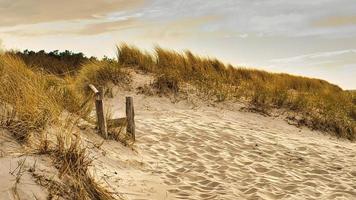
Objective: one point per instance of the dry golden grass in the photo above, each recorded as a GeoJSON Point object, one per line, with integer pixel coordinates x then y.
{"type": "Point", "coordinates": [74, 163]}
{"type": "Point", "coordinates": [31, 102]}
{"type": "Point", "coordinates": [100, 73]}
{"type": "Point", "coordinates": [135, 57]}
{"type": "Point", "coordinates": [31, 108]}
{"type": "Point", "coordinates": [311, 102]}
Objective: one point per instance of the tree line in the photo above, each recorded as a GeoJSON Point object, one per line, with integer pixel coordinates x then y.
{"type": "Point", "coordinates": [55, 62]}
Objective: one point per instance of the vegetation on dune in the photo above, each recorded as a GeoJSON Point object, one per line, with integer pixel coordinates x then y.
{"type": "Point", "coordinates": [100, 73]}
{"type": "Point", "coordinates": [73, 162]}
{"type": "Point", "coordinates": [29, 96]}
{"type": "Point", "coordinates": [312, 102]}
{"type": "Point", "coordinates": [32, 101]}
{"type": "Point", "coordinates": [39, 88]}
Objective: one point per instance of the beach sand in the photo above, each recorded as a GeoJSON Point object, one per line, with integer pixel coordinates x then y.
{"type": "Point", "coordinates": [22, 172]}
{"type": "Point", "coordinates": [184, 151]}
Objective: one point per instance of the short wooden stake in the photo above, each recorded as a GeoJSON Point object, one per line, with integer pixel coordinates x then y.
{"type": "Point", "coordinates": [93, 88]}
{"type": "Point", "coordinates": [130, 116]}
{"type": "Point", "coordinates": [99, 105]}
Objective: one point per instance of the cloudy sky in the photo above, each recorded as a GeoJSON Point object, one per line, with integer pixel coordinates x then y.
{"type": "Point", "coordinates": [315, 38]}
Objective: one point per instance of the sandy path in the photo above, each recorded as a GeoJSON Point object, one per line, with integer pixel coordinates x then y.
{"type": "Point", "coordinates": [230, 157]}
{"type": "Point", "coordinates": [213, 153]}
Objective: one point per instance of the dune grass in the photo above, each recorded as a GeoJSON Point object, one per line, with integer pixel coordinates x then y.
{"type": "Point", "coordinates": [100, 73]}
{"type": "Point", "coordinates": [31, 102]}
{"type": "Point", "coordinates": [27, 93]}
{"type": "Point", "coordinates": [73, 162]}
{"type": "Point", "coordinates": [311, 102]}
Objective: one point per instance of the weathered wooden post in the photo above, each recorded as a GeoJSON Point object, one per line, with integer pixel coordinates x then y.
{"type": "Point", "coordinates": [100, 115]}
{"type": "Point", "coordinates": [130, 117]}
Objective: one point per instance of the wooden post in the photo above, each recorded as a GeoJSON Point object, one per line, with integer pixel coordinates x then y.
{"type": "Point", "coordinates": [93, 88]}
{"type": "Point", "coordinates": [130, 116]}
{"type": "Point", "coordinates": [99, 106]}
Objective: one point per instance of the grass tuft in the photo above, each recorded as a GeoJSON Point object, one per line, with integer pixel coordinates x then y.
{"type": "Point", "coordinates": [100, 73]}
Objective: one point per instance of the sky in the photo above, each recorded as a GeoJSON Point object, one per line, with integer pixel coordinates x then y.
{"type": "Point", "coordinates": [314, 38]}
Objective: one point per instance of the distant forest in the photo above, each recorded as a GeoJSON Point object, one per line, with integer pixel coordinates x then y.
{"type": "Point", "coordinates": [55, 62]}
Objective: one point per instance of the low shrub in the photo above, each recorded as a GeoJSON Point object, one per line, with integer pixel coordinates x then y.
{"type": "Point", "coordinates": [166, 85]}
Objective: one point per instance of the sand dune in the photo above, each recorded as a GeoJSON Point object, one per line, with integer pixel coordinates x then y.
{"type": "Point", "coordinates": [186, 152]}
{"type": "Point", "coordinates": [191, 150]}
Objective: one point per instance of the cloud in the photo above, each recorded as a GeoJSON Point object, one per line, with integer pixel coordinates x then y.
{"type": "Point", "coordinates": [265, 18]}
{"type": "Point", "coordinates": [179, 28]}
{"type": "Point", "coordinates": [332, 55]}
{"type": "Point", "coordinates": [38, 11]}
{"type": "Point", "coordinates": [89, 27]}
{"type": "Point", "coordinates": [338, 67]}
{"type": "Point", "coordinates": [108, 26]}
{"type": "Point", "coordinates": [335, 21]}
{"type": "Point", "coordinates": [260, 17]}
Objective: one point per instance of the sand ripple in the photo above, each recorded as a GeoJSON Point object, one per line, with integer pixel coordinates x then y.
{"type": "Point", "coordinates": [213, 153]}
{"type": "Point", "coordinates": [202, 157]}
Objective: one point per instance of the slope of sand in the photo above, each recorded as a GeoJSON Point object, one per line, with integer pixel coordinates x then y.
{"type": "Point", "coordinates": [189, 152]}
{"type": "Point", "coordinates": [21, 172]}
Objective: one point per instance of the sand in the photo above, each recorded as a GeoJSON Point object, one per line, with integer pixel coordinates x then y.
{"type": "Point", "coordinates": [201, 152]}
{"type": "Point", "coordinates": [20, 171]}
